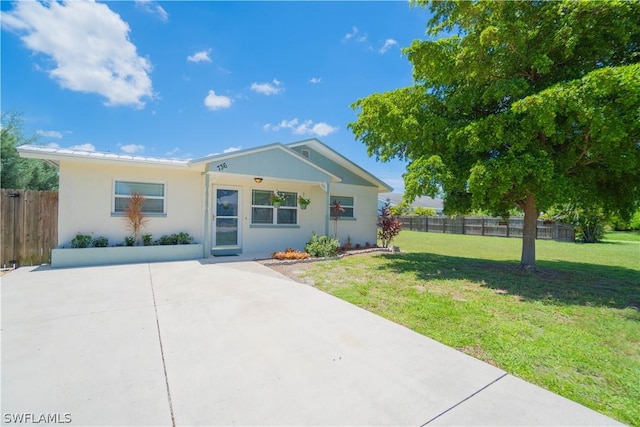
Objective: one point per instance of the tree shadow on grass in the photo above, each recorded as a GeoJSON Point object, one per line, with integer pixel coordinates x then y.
{"type": "Point", "coordinates": [555, 282]}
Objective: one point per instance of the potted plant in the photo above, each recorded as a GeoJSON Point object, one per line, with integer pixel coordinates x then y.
{"type": "Point", "coordinates": [277, 199]}
{"type": "Point", "coordinates": [304, 202]}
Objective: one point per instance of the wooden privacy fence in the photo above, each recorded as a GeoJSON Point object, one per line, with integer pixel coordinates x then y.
{"type": "Point", "coordinates": [481, 226]}
{"type": "Point", "coordinates": [29, 227]}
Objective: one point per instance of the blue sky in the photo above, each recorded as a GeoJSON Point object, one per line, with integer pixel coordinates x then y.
{"type": "Point", "coordinates": [188, 79]}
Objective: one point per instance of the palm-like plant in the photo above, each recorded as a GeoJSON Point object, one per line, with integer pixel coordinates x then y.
{"type": "Point", "coordinates": [336, 210]}
{"type": "Point", "coordinates": [134, 216]}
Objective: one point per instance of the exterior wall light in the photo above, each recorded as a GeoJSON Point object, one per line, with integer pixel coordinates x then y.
{"type": "Point", "coordinates": [257, 180]}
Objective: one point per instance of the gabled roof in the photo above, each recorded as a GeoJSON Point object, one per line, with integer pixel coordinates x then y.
{"type": "Point", "coordinates": [338, 158]}
{"type": "Point", "coordinates": [274, 160]}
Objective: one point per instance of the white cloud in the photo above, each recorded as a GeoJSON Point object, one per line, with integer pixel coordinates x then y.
{"type": "Point", "coordinates": [86, 147]}
{"type": "Point", "coordinates": [273, 88]}
{"type": "Point", "coordinates": [315, 80]}
{"type": "Point", "coordinates": [202, 56]}
{"type": "Point", "coordinates": [153, 8]}
{"type": "Point", "coordinates": [354, 32]}
{"type": "Point", "coordinates": [231, 149]}
{"type": "Point", "coordinates": [217, 102]}
{"type": "Point", "coordinates": [52, 145]}
{"type": "Point", "coordinates": [388, 43]}
{"type": "Point", "coordinates": [320, 129]}
{"type": "Point", "coordinates": [132, 148]}
{"type": "Point", "coordinates": [89, 45]}
{"type": "Point", "coordinates": [49, 133]}
{"type": "Point", "coordinates": [176, 150]}
{"type": "Point", "coordinates": [308, 127]}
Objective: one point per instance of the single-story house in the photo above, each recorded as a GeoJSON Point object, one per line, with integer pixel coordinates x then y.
{"type": "Point", "coordinates": [222, 200]}
{"type": "Point", "coordinates": [421, 202]}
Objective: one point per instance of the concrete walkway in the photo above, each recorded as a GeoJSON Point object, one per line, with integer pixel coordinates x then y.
{"type": "Point", "coordinates": [191, 343]}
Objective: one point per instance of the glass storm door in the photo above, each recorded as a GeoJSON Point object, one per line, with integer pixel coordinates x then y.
{"type": "Point", "coordinates": [226, 218]}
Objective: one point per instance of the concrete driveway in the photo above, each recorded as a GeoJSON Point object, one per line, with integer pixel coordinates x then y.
{"type": "Point", "coordinates": [190, 343]}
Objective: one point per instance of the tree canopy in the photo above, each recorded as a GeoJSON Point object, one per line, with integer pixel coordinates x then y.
{"type": "Point", "coordinates": [519, 104]}
{"type": "Point", "coordinates": [18, 173]}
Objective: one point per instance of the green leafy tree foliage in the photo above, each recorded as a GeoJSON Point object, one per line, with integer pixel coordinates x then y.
{"type": "Point", "coordinates": [18, 173]}
{"type": "Point", "coordinates": [421, 211]}
{"type": "Point", "coordinates": [527, 105]}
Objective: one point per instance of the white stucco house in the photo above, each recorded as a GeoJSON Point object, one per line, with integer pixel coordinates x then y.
{"type": "Point", "coordinates": [223, 200]}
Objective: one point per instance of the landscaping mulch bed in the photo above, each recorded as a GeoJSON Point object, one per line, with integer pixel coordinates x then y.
{"type": "Point", "coordinates": [296, 269]}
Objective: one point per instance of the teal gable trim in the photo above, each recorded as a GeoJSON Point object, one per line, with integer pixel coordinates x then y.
{"type": "Point", "coordinates": [274, 162]}
{"type": "Point", "coordinates": [347, 176]}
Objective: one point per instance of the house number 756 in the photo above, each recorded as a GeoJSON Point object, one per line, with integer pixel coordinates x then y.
{"type": "Point", "coordinates": [221, 167]}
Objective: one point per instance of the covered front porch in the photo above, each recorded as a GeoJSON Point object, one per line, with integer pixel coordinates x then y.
{"type": "Point", "coordinates": [239, 214]}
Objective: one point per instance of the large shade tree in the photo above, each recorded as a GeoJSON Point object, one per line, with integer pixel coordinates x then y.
{"type": "Point", "coordinates": [517, 105]}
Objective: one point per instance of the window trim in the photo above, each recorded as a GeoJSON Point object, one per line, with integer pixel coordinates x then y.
{"type": "Point", "coordinates": [114, 196]}
{"type": "Point", "coordinates": [274, 219]}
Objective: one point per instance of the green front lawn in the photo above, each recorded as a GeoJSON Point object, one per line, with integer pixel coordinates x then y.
{"type": "Point", "coordinates": [573, 327]}
{"type": "Point", "coordinates": [628, 236]}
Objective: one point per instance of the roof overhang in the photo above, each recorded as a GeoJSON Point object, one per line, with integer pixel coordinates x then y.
{"type": "Point", "coordinates": [54, 156]}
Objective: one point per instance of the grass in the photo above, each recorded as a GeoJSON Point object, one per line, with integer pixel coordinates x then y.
{"type": "Point", "coordinates": [623, 236]}
{"type": "Point", "coordinates": [572, 328]}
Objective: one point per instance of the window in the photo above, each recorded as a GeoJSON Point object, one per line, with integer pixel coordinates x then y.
{"type": "Point", "coordinates": [346, 203]}
{"type": "Point", "coordinates": [306, 153]}
{"type": "Point", "coordinates": [263, 212]}
{"type": "Point", "coordinates": [152, 192]}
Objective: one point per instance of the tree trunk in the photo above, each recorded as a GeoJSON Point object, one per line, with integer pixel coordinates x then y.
{"type": "Point", "coordinates": [531, 213]}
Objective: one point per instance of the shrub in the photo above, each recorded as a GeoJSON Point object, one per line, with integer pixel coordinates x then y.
{"type": "Point", "coordinates": [619, 224]}
{"type": "Point", "coordinates": [147, 239]}
{"type": "Point", "coordinates": [590, 226]}
{"type": "Point", "coordinates": [421, 211]}
{"type": "Point", "coordinates": [81, 241]}
{"type": "Point", "coordinates": [100, 242]}
{"type": "Point", "coordinates": [166, 239]}
{"type": "Point", "coordinates": [134, 215]}
{"type": "Point", "coordinates": [389, 226]}
{"type": "Point", "coordinates": [400, 210]}
{"type": "Point", "coordinates": [183, 239]}
{"type": "Point", "coordinates": [129, 240]}
{"type": "Point", "coordinates": [175, 239]}
{"type": "Point", "coordinates": [322, 246]}
{"type": "Point", "coordinates": [290, 253]}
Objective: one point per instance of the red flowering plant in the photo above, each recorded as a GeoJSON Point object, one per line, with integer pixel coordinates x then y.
{"type": "Point", "coordinates": [336, 210]}
{"type": "Point", "coordinates": [389, 226]}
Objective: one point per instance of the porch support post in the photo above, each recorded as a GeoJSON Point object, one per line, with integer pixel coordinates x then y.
{"type": "Point", "coordinates": [327, 207]}
{"type": "Point", "coordinates": [207, 217]}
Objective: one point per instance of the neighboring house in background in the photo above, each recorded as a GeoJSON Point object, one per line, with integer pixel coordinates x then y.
{"type": "Point", "coordinates": [423, 202]}
{"type": "Point", "coordinates": [223, 200]}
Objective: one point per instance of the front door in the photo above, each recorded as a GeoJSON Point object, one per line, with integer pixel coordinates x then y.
{"type": "Point", "coordinates": [226, 221]}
